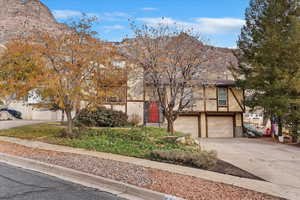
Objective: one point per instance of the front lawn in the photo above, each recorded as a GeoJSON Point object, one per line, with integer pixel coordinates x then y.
{"type": "Point", "coordinates": [136, 141]}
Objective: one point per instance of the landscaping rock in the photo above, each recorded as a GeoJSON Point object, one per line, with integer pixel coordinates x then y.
{"type": "Point", "coordinates": [4, 115]}
{"type": "Point", "coordinates": [181, 140]}
{"type": "Point", "coordinates": [187, 140]}
{"type": "Point", "coordinates": [183, 186]}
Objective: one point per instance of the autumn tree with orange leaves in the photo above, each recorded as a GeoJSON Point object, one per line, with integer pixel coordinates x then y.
{"type": "Point", "coordinates": [64, 69]}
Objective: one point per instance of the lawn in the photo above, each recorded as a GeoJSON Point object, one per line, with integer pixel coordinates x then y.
{"type": "Point", "coordinates": [135, 141]}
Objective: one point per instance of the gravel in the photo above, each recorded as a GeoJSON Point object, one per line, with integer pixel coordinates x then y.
{"type": "Point", "coordinates": [162, 181]}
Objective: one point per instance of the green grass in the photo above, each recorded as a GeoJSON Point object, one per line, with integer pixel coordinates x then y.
{"type": "Point", "coordinates": [136, 142]}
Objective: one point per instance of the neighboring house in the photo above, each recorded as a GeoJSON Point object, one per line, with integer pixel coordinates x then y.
{"type": "Point", "coordinates": [255, 119]}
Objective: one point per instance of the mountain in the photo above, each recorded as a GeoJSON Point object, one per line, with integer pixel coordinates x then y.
{"type": "Point", "coordinates": [216, 66]}
{"type": "Point", "coordinates": [23, 16]}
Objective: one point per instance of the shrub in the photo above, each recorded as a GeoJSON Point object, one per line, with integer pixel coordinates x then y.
{"type": "Point", "coordinates": [134, 120]}
{"type": "Point", "coordinates": [102, 117]}
{"type": "Point", "coordinates": [131, 134]}
{"type": "Point", "coordinates": [202, 159]}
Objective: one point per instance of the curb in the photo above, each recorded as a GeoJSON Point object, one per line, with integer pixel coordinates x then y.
{"type": "Point", "coordinates": [120, 189]}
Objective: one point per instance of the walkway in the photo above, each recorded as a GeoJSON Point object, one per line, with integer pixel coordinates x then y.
{"type": "Point", "coordinates": [17, 123]}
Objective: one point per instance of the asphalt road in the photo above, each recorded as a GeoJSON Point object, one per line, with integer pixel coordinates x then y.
{"type": "Point", "coordinates": [20, 184]}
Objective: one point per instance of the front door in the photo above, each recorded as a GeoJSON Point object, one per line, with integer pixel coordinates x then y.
{"type": "Point", "coordinates": [153, 114]}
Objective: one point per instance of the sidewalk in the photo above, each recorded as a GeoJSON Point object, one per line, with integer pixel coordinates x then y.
{"type": "Point", "coordinates": [259, 186]}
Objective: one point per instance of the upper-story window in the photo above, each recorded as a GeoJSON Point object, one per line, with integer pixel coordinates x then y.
{"type": "Point", "coordinates": [222, 97]}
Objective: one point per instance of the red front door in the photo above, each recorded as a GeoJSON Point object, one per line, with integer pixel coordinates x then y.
{"type": "Point", "coordinates": [153, 112]}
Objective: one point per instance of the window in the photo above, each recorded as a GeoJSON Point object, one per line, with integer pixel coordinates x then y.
{"type": "Point", "coordinates": [188, 98]}
{"type": "Point", "coordinates": [222, 96]}
{"type": "Point", "coordinates": [114, 95]}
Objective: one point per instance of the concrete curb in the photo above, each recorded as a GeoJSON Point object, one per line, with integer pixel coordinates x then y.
{"type": "Point", "coordinates": [118, 188]}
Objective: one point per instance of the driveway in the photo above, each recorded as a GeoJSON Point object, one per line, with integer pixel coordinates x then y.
{"type": "Point", "coordinates": [20, 184]}
{"type": "Point", "coordinates": [276, 163]}
{"type": "Point", "coordinates": [17, 123]}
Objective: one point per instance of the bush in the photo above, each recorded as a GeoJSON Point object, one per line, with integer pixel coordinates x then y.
{"type": "Point", "coordinates": [102, 117]}
{"type": "Point", "coordinates": [135, 120]}
{"type": "Point", "coordinates": [202, 159]}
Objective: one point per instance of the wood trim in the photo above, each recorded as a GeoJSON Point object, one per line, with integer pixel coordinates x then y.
{"type": "Point", "coordinates": [204, 96]}
{"type": "Point", "coordinates": [228, 99]}
{"type": "Point", "coordinates": [217, 99]}
{"type": "Point", "coordinates": [206, 125]}
{"type": "Point", "coordinates": [136, 101]}
{"type": "Point", "coordinates": [199, 125]}
{"type": "Point", "coordinates": [242, 118]}
{"type": "Point", "coordinates": [235, 97]}
{"type": "Point", "coordinates": [234, 126]}
{"type": "Point", "coordinates": [191, 113]}
{"type": "Point", "coordinates": [115, 104]}
{"type": "Point", "coordinates": [221, 112]}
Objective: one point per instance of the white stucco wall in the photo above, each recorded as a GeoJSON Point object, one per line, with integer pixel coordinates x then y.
{"type": "Point", "coordinates": [31, 113]}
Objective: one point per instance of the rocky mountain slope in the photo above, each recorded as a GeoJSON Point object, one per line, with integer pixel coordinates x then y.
{"type": "Point", "coordinates": [19, 16]}
{"type": "Point", "coordinates": [23, 16]}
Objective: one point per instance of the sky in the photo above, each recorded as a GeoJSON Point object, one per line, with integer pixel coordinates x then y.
{"type": "Point", "coordinates": [217, 21]}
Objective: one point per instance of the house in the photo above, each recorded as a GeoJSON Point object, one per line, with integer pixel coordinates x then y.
{"type": "Point", "coordinates": [218, 111]}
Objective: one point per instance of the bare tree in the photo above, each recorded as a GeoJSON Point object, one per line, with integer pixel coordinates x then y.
{"type": "Point", "coordinates": [169, 59]}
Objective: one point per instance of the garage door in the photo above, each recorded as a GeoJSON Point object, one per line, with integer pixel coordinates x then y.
{"type": "Point", "coordinates": [220, 126]}
{"type": "Point", "coordinates": [187, 124]}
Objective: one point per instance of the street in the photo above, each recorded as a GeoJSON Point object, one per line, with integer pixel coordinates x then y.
{"type": "Point", "coordinates": [20, 184]}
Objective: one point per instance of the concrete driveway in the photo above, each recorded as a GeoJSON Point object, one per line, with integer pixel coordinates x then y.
{"type": "Point", "coordinates": [17, 123]}
{"type": "Point", "coordinates": [276, 163]}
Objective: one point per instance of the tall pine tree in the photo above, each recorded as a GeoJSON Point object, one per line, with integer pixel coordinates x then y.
{"type": "Point", "coordinates": [269, 56]}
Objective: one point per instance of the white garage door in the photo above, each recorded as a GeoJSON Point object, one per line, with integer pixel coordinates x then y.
{"type": "Point", "coordinates": [220, 126]}
{"type": "Point", "coordinates": [187, 124]}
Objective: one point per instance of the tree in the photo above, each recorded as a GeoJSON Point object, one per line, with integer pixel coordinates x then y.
{"type": "Point", "coordinates": [21, 70]}
{"type": "Point", "coordinates": [169, 60]}
{"type": "Point", "coordinates": [73, 65]}
{"type": "Point", "coordinates": [269, 56]}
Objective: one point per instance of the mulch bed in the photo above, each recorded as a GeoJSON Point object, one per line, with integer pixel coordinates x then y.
{"type": "Point", "coordinates": [183, 186]}
{"type": "Point", "coordinates": [227, 168]}
{"type": "Point", "coordinates": [221, 167]}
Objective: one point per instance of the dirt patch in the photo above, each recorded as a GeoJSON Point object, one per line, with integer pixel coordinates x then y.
{"type": "Point", "coordinates": [183, 186]}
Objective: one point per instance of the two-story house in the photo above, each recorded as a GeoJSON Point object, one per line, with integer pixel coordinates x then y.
{"type": "Point", "coordinates": [217, 111]}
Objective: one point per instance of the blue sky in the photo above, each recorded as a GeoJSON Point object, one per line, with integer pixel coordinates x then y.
{"type": "Point", "coordinates": [219, 21]}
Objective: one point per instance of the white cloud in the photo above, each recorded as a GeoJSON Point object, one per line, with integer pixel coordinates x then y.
{"type": "Point", "coordinates": [114, 27]}
{"type": "Point", "coordinates": [223, 25]}
{"type": "Point", "coordinates": [114, 16]}
{"type": "Point", "coordinates": [159, 20]}
{"type": "Point", "coordinates": [66, 14]}
{"type": "Point", "coordinates": [201, 25]}
{"type": "Point", "coordinates": [149, 9]}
